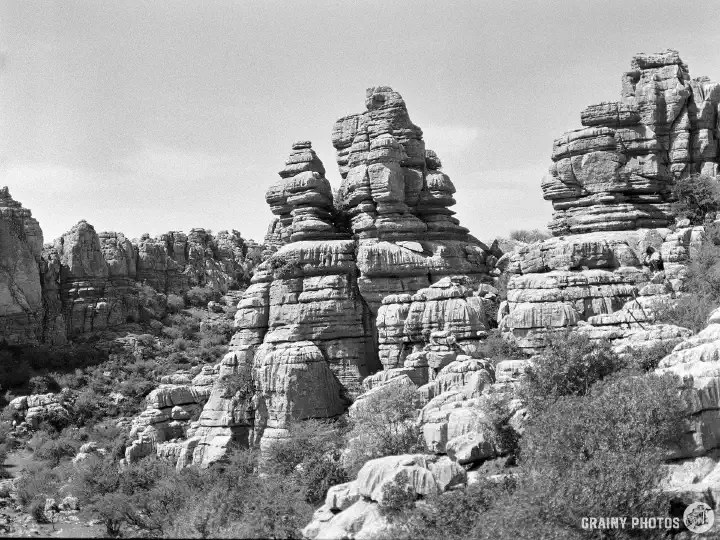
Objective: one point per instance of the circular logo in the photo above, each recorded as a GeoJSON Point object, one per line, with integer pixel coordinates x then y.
{"type": "Point", "coordinates": [699, 517]}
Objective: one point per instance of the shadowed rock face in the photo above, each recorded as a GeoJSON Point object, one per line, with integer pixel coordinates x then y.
{"type": "Point", "coordinates": [609, 184]}
{"type": "Point", "coordinates": [309, 323]}
{"type": "Point", "coordinates": [21, 242]}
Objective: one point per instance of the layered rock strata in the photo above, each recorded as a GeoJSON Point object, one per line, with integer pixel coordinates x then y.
{"type": "Point", "coordinates": [398, 203]}
{"type": "Point", "coordinates": [457, 430]}
{"type": "Point", "coordinates": [337, 297]}
{"type": "Point", "coordinates": [615, 173]}
{"type": "Point", "coordinates": [610, 187]}
{"type": "Point", "coordinates": [170, 409]}
{"type": "Point", "coordinates": [302, 325]}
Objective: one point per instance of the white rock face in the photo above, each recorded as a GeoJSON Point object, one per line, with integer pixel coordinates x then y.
{"type": "Point", "coordinates": [697, 362]}
{"type": "Point", "coordinates": [357, 501]}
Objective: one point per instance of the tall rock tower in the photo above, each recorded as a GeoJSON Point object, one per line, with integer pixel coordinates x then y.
{"type": "Point", "coordinates": [353, 285]}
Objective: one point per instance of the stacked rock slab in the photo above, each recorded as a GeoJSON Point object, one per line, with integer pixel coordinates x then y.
{"type": "Point", "coordinates": [406, 323]}
{"type": "Point", "coordinates": [302, 325]}
{"type": "Point", "coordinates": [616, 172]}
{"type": "Point", "coordinates": [307, 324]}
{"type": "Point", "coordinates": [21, 301]}
{"type": "Point", "coordinates": [609, 184]}
{"type": "Point", "coordinates": [398, 203]}
{"type": "Point", "coordinates": [169, 409]}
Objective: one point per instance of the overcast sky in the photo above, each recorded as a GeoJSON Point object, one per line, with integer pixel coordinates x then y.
{"type": "Point", "coordinates": [156, 116]}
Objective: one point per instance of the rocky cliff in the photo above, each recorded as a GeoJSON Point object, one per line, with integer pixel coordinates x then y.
{"type": "Point", "coordinates": [609, 184]}
{"type": "Point", "coordinates": [21, 293]}
{"type": "Point", "coordinates": [87, 281]}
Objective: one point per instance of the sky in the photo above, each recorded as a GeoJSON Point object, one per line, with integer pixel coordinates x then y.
{"type": "Point", "coordinates": [166, 115]}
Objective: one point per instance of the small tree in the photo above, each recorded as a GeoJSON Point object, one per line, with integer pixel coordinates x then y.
{"type": "Point", "coordinates": [695, 197]}
{"type": "Point", "coordinates": [384, 425]}
{"type": "Point", "coordinates": [529, 236]}
{"type": "Point", "coordinates": [569, 365]}
{"type": "Point", "coordinates": [602, 454]}
{"type": "Point", "coordinates": [702, 283]}
{"type": "Point", "coordinates": [311, 454]}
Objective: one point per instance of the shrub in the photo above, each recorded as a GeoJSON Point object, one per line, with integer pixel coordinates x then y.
{"type": "Point", "coordinates": [311, 454]}
{"type": "Point", "coordinates": [397, 495]}
{"type": "Point", "coordinates": [175, 303]}
{"type": "Point", "coordinates": [200, 296]}
{"type": "Point", "coordinates": [172, 333]}
{"type": "Point", "coordinates": [53, 419]}
{"type": "Point", "coordinates": [647, 358]}
{"type": "Point", "coordinates": [283, 266]}
{"type": "Point", "coordinates": [36, 482]}
{"type": "Point", "coordinates": [529, 236]}
{"type": "Point", "coordinates": [37, 511]}
{"type": "Point", "coordinates": [497, 348]}
{"type": "Point", "coordinates": [695, 196]}
{"type": "Point", "coordinates": [43, 384]}
{"type": "Point", "coordinates": [450, 516]}
{"type": "Point", "coordinates": [383, 424]}
{"type": "Point", "coordinates": [88, 407]}
{"type": "Point", "coordinates": [54, 450]}
{"type": "Point", "coordinates": [503, 435]}
{"type": "Point", "coordinates": [181, 344]}
{"type": "Point", "coordinates": [602, 454]}
{"type": "Point", "coordinates": [703, 285]}
{"type": "Point", "coordinates": [238, 384]}
{"type": "Point", "coordinates": [569, 365]}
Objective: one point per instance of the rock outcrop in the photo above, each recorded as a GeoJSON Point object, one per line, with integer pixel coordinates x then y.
{"type": "Point", "coordinates": [457, 429]}
{"type": "Point", "coordinates": [352, 510]}
{"type": "Point", "coordinates": [610, 188]}
{"type": "Point", "coordinates": [351, 283]}
{"type": "Point", "coordinates": [615, 173]}
{"type": "Point", "coordinates": [170, 409]}
{"type": "Point", "coordinates": [87, 281]}
{"type": "Point", "coordinates": [695, 466]}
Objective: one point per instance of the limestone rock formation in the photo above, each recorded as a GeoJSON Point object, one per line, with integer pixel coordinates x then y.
{"type": "Point", "coordinates": [697, 362]}
{"type": "Point", "coordinates": [406, 322]}
{"type": "Point", "coordinates": [457, 430]}
{"type": "Point", "coordinates": [336, 298]}
{"type": "Point", "coordinates": [610, 186]}
{"type": "Point", "coordinates": [91, 281]}
{"type": "Point", "coordinates": [695, 465]}
{"type": "Point", "coordinates": [170, 408]}
{"type": "Point", "coordinates": [398, 203]}
{"type": "Point", "coordinates": [35, 408]}
{"type": "Point", "coordinates": [21, 298]}
{"type": "Point", "coordinates": [616, 172]}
